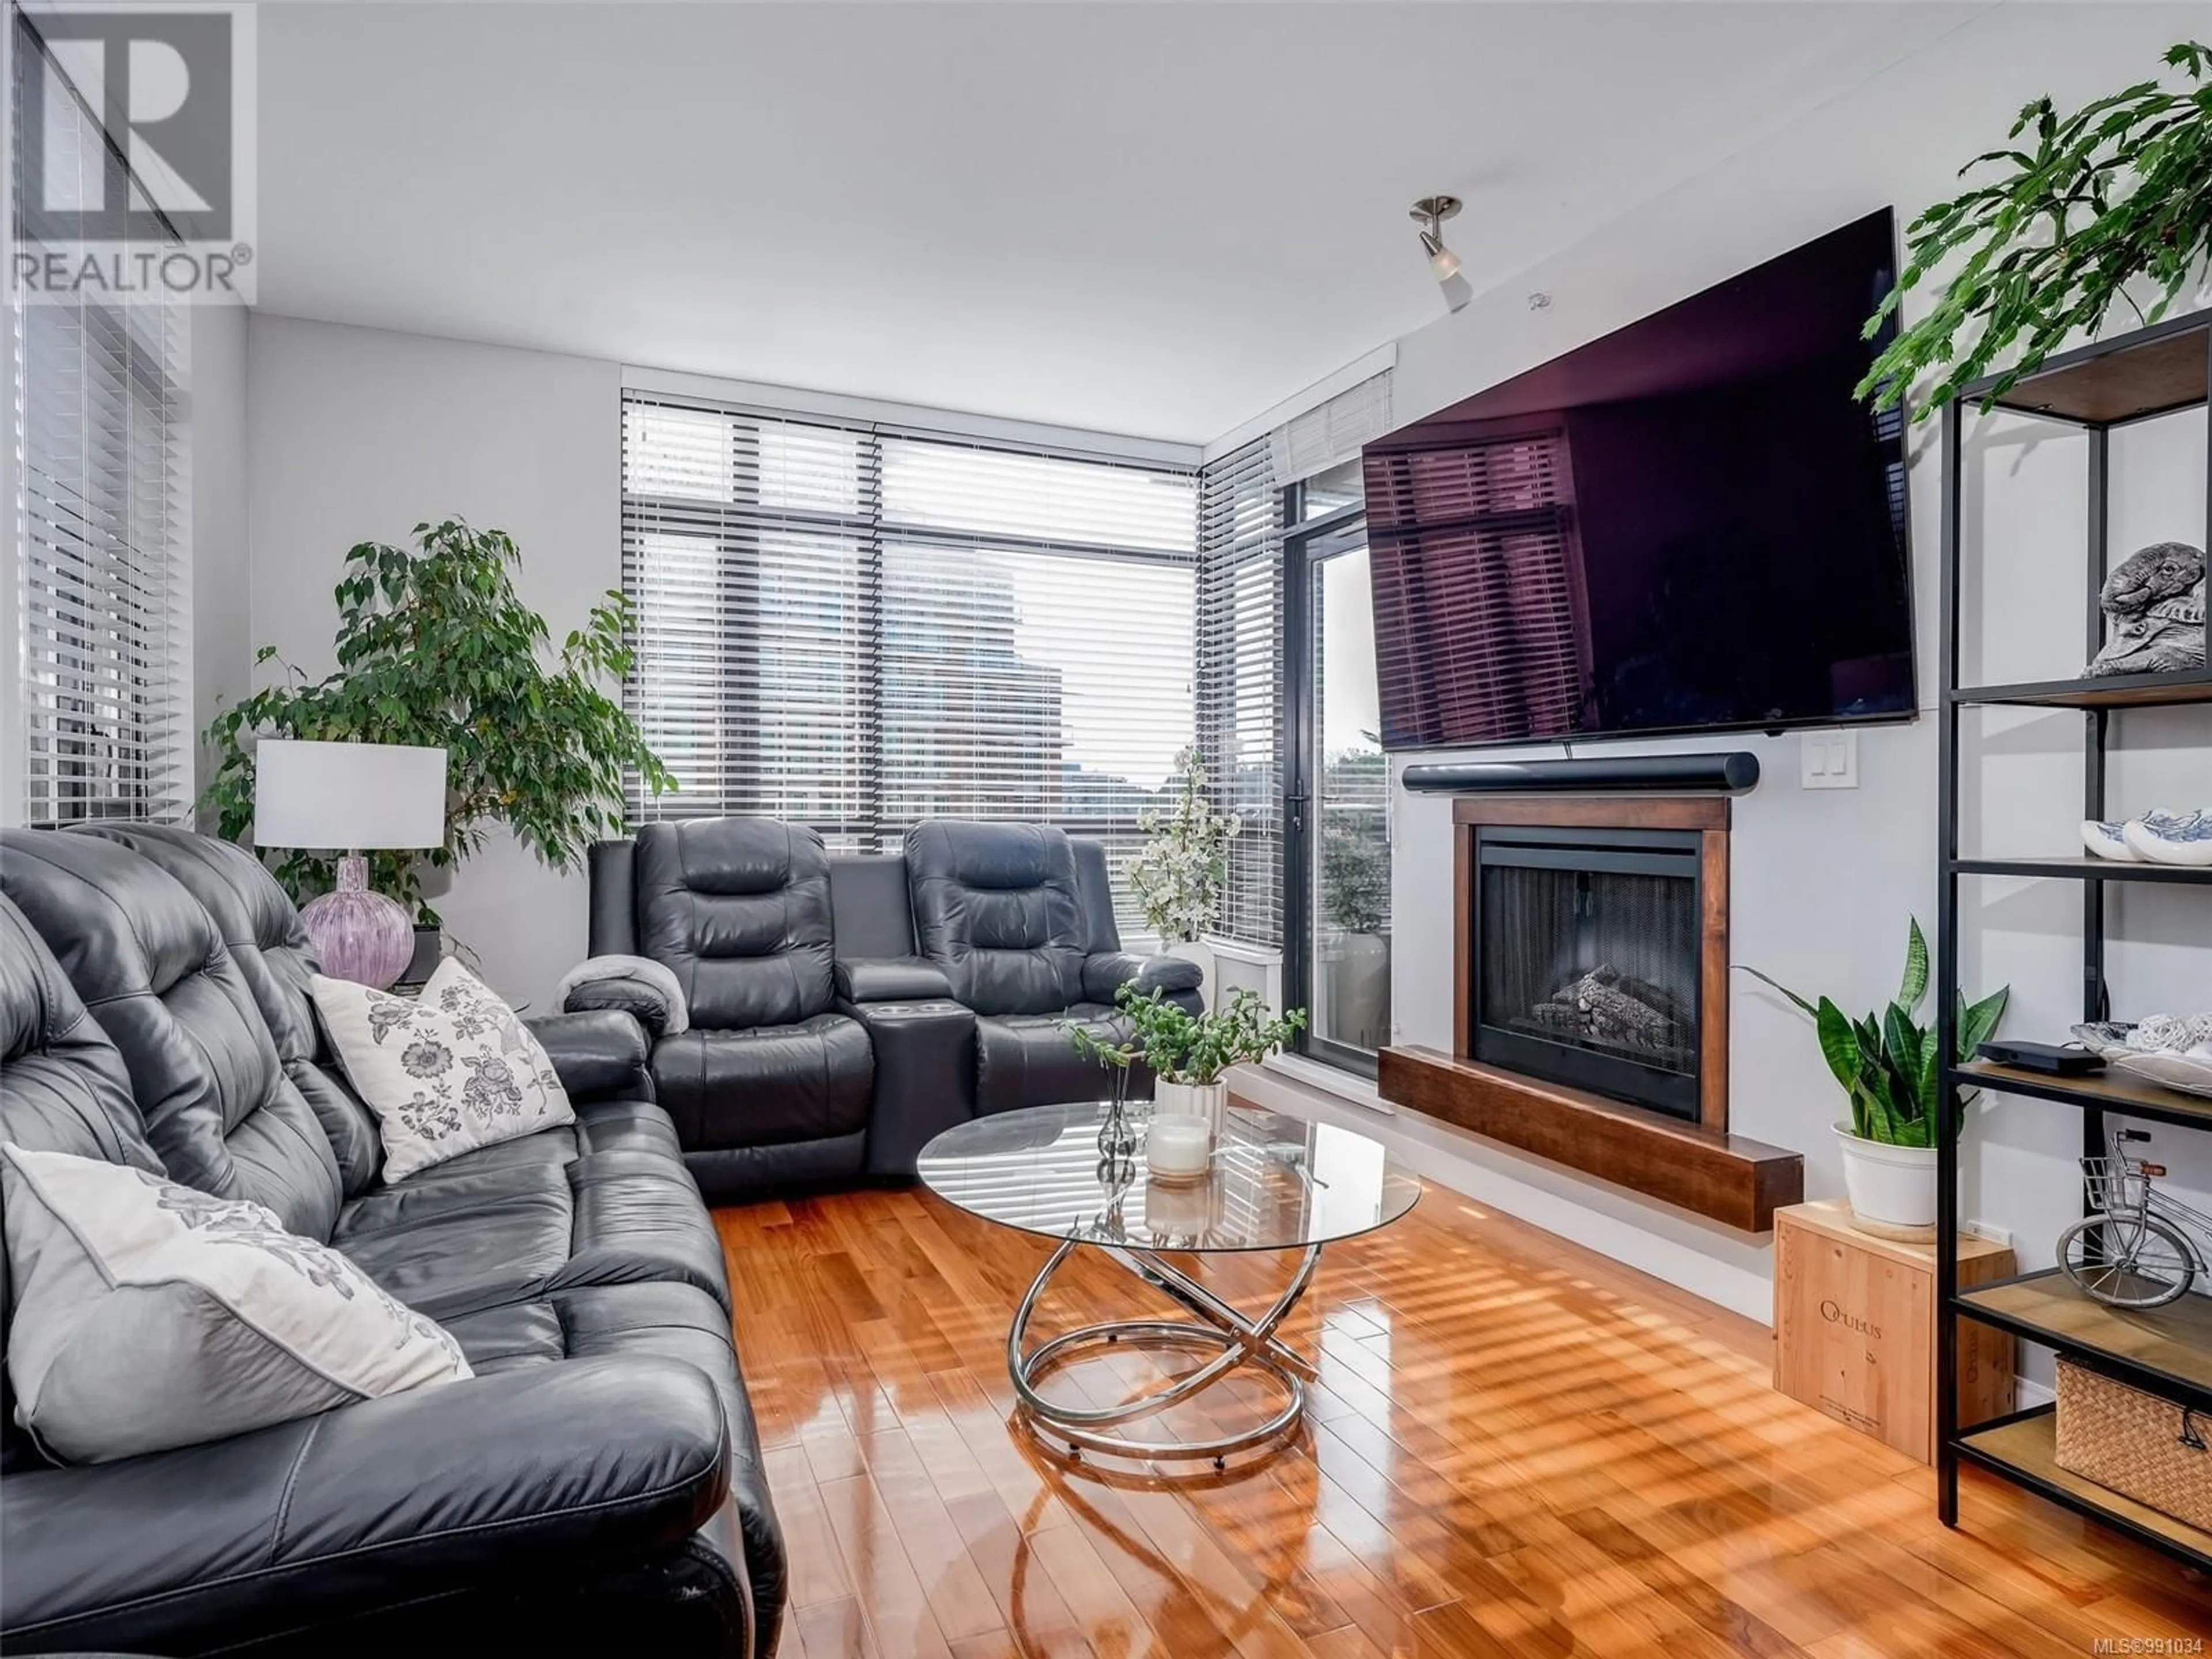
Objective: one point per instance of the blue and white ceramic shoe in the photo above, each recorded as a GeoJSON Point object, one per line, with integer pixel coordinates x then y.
{"type": "Point", "coordinates": [2108, 839]}
{"type": "Point", "coordinates": [2163, 837]}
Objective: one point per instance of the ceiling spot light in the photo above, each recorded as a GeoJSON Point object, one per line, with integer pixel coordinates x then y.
{"type": "Point", "coordinates": [1429, 213]}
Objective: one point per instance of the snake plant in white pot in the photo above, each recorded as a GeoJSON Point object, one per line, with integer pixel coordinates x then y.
{"type": "Point", "coordinates": [1888, 1067]}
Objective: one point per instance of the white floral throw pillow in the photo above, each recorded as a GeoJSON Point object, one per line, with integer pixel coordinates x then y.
{"type": "Point", "coordinates": [445, 1073]}
{"type": "Point", "coordinates": [149, 1315]}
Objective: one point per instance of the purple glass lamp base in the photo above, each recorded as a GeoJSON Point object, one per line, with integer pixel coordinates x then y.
{"type": "Point", "coordinates": [360, 935]}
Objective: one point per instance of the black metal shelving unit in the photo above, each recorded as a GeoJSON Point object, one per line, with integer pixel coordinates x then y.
{"type": "Point", "coordinates": [2136, 377]}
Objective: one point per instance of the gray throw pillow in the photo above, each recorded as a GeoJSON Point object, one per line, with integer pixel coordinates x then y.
{"type": "Point", "coordinates": [445, 1073]}
{"type": "Point", "coordinates": [149, 1315]}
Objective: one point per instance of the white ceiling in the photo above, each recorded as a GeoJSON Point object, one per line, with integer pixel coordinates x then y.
{"type": "Point", "coordinates": [1151, 219]}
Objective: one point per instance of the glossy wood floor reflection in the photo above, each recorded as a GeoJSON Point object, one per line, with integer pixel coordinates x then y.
{"type": "Point", "coordinates": [1516, 1447]}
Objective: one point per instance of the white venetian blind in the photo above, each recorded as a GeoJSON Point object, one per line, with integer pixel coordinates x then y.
{"type": "Point", "coordinates": [1240, 694]}
{"type": "Point", "coordinates": [749, 549]}
{"type": "Point", "coordinates": [1332, 431]}
{"type": "Point", "coordinates": [104, 569]}
{"type": "Point", "coordinates": [859, 628]}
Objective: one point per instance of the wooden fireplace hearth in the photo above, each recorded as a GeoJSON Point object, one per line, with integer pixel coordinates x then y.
{"type": "Point", "coordinates": [1696, 1165]}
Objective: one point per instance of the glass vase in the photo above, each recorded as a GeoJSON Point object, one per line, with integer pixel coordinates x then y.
{"type": "Point", "coordinates": [1117, 1134]}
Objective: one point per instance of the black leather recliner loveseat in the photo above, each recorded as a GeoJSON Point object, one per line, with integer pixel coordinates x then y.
{"type": "Point", "coordinates": [595, 1488]}
{"type": "Point", "coordinates": [844, 1009]}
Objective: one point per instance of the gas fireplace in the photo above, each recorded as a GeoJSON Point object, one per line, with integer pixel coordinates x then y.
{"type": "Point", "coordinates": [1588, 948]}
{"type": "Point", "coordinates": [1589, 978]}
{"type": "Point", "coordinates": [1593, 947]}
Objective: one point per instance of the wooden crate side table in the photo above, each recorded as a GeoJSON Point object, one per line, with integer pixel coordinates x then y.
{"type": "Point", "coordinates": [1855, 1328]}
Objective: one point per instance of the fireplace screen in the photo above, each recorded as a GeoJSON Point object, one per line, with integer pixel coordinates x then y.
{"type": "Point", "coordinates": [1587, 956]}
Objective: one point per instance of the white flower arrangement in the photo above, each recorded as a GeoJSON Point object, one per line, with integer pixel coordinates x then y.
{"type": "Point", "coordinates": [1177, 876]}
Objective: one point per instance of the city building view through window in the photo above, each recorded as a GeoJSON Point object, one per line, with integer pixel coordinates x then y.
{"type": "Point", "coordinates": [858, 630]}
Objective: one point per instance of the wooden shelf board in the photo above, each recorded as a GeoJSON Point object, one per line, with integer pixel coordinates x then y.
{"type": "Point", "coordinates": [2028, 1446]}
{"type": "Point", "coordinates": [2163, 372]}
{"type": "Point", "coordinates": [2114, 691]}
{"type": "Point", "coordinates": [2172, 1344]}
{"type": "Point", "coordinates": [1728, 1178]}
{"type": "Point", "coordinates": [2111, 1092]}
{"type": "Point", "coordinates": [2087, 869]}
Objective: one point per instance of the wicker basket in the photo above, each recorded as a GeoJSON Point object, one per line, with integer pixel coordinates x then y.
{"type": "Point", "coordinates": [2145, 1448]}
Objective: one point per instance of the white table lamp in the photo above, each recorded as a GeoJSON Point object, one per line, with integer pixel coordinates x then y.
{"type": "Point", "coordinates": [354, 798]}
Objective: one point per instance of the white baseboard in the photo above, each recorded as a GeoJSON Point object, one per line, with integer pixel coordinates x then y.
{"type": "Point", "coordinates": [1329, 1079]}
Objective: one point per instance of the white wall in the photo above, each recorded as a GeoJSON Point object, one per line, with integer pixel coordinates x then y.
{"type": "Point", "coordinates": [1823, 881]}
{"type": "Point", "coordinates": [358, 434]}
{"type": "Point", "coordinates": [223, 649]}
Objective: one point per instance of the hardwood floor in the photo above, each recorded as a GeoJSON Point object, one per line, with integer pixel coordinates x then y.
{"type": "Point", "coordinates": [1515, 1447]}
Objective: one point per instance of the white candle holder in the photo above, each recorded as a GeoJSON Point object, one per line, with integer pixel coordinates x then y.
{"type": "Point", "coordinates": [1178, 1148]}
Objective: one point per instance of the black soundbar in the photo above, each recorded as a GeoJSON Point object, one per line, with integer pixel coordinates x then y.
{"type": "Point", "coordinates": [1724, 773]}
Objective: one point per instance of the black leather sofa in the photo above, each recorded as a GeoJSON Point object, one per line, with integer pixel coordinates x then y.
{"type": "Point", "coordinates": [907, 992]}
{"type": "Point", "coordinates": [595, 1488]}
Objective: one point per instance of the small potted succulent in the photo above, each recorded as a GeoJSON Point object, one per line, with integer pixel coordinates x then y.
{"type": "Point", "coordinates": [1190, 1053]}
{"type": "Point", "coordinates": [1888, 1067]}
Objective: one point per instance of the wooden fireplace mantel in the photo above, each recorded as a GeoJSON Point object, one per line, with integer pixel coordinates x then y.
{"type": "Point", "coordinates": [1723, 1177]}
{"type": "Point", "coordinates": [1700, 1166]}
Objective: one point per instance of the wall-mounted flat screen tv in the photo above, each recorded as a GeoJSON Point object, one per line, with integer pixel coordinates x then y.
{"type": "Point", "coordinates": [1689, 524]}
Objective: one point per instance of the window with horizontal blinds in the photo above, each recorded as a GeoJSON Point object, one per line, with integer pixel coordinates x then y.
{"type": "Point", "coordinates": [1240, 680]}
{"type": "Point", "coordinates": [103, 570]}
{"type": "Point", "coordinates": [859, 628]}
{"type": "Point", "coordinates": [748, 550]}
{"type": "Point", "coordinates": [1477, 591]}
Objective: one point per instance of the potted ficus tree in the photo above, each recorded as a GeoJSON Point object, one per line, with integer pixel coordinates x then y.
{"type": "Point", "coordinates": [1190, 1054]}
{"type": "Point", "coordinates": [1177, 876]}
{"type": "Point", "coordinates": [1890, 1070]}
{"type": "Point", "coordinates": [434, 647]}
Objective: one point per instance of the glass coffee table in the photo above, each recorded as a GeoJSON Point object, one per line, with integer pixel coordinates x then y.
{"type": "Point", "coordinates": [1275, 1183]}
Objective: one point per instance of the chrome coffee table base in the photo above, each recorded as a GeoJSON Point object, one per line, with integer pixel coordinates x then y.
{"type": "Point", "coordinates": [1274, 1185]}
{"type": "Point", "coordinates": [1234, 1339]}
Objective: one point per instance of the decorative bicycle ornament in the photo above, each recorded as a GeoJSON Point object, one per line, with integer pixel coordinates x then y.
{"type": "Point", "coordinates": [2143, 1248]}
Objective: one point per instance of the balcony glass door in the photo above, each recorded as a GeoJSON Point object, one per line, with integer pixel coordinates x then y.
{"type": "Point", "coordinates": [1338, 863]}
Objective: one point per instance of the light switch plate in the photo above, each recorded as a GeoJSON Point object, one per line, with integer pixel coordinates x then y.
{"type": "Point", "coordinates": [1828, 760]}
